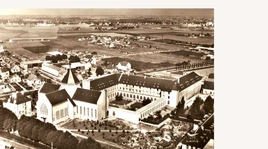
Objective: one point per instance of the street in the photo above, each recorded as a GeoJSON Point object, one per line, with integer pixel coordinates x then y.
{"type": "Point", "coordinates": [5, 142]}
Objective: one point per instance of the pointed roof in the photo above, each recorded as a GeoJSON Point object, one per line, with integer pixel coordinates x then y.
{"type": "Point", "coordinates": [48, 87]}
{"type": "Point", "coordinates": [70, 78]}
{"type": "Point", "coordinates": [57, 97]}
{"type": "Point", "coordinates": [85, 95]}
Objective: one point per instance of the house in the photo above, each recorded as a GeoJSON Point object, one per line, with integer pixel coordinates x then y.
{"type": "Point", "coordinates": [19, 104]}
{"type": "Point", "coordinates": [4, 72]}
{"type": "Point", "coordinates": [124, 66]}
{"type": "Point", "coordinates": [57, 103]}
{"type": "Point", "coordinates": [15, 69]}
{"type": "Point", "coordinates": [200, 135]}
{"type": "Point", "coordinates": [208, 87]}
{"type": "Point", "coordinates": [15, 78]}
{"type": "Point", "coordinates": [33, 80]}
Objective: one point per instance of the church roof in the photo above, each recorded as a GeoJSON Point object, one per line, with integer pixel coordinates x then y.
{"type": "Point", "coordinates": [70, 78]}
{"type": "Point", "coordinates": [85, 95]}
{"type": "Point", "coordinates": [48, 87]}
{"type": "Point", "coordinates": [58, 96]}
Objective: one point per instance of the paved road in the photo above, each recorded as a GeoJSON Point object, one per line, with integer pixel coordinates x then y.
{"type": "Point", "coordinates": [15, 144]}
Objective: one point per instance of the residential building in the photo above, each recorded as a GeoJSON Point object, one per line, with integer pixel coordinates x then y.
{"type": "Point", "coordinates": [200, 135]}
{"type": "Point", "coordinates": [124, 66]}
{"type": "Point", "coordinates": [15, 78]}
{"type": "Point", "coordinates": [4, 72]}
{"type": "Point", "coordinates": [208, 87]}
{"type": "Point", "coordinates": [15, 68]}
{"type": "Point", "coordinates": [19, 104]}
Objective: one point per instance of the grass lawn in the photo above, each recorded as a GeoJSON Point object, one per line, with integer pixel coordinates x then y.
{"type": "Point", "coordinates": [41, 49]}
{"type": "Point", "coordinates": [89, 125]}
{"type": "Point", "coordinates": [135, 106]}
{"type": "Point", "coordinates": [121, 102]}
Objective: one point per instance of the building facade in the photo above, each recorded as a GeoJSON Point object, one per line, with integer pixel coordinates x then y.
{"type": "Point", "coordinates": [19, 104]}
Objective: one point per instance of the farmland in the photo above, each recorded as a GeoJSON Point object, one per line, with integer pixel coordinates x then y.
{"type": "Point", "coordinates": [6, 34]}
{"type": "Point", "coordinates": [142, 54]}
{"type": "Point", "coordinates": [35, 32]}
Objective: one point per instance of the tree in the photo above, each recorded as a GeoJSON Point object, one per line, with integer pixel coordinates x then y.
{"type": "Point", "coordinates": [27, 131]}
{"type": "Point", "coordinates": [99, 71]}
{"type": "Point", "coordinates": [209, 105]}
{"type": "Point", "coordinates": [146, 102]}
{"type": "Point", "coordinates": [67, 141]}
{"type": "Point", "coordinates": [3, 113]}
{"type": "Point", "coordinates": [195, 109]}
{"type": "Point", "coordinates": [54, 136]}
{"type": "Point", "coordinates": [89, 72]}
{"type": "Point", "coordinates": [10, 121]}
{"type": "Point", "coordinates": [119, 97]}
{"type": "Point", "coordinates": [35, 131]}
{"type": "Point", "coordinates": [180, 108]}
{"type": "Point", "coordinates": [42, 132]}
{"type": "Point", "coordinates": [73, 59]}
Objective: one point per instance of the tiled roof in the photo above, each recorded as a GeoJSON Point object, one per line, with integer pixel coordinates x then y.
{"type": "Point", "coordinates": [85, 95]}
{"type": "Point", "coordinates": [188, 80]}
{"type": "Point", "coordinates": [70, 78]}
{"type": "Point", "coordinates": [48, 87]}
{"type": "Point", "coordinates": [104, 82]}
{"type": "Point", "coordinates": [158, 83]}
{"type": "Point", "coordinates": [208, 85]}
{"type": "Point", "coordinates": [57, 97]}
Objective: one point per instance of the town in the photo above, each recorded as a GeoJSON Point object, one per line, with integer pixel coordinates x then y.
{"type": "Point", "coordinates": [107, 82]}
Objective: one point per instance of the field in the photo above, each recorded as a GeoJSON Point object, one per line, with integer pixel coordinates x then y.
{"type": "Point", "coordinates": [28, 49]}
{"type": "Point", "coordinates": [35, 32]}
{"type": "Point", "coordinates": [201, 40]}
{"type": "Point", "coordinates": [139, 65]}
{"type": "Point", "coordinates": [6, 34]}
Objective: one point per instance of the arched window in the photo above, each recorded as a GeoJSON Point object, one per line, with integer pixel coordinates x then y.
{"type": "Point", "coordinates": [43, 109]}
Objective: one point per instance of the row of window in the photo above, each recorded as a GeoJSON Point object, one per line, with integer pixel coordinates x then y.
{"type": "Point", "coordinates": [83, 111]}
{"type": "Point", "coordinates": [61, 113]}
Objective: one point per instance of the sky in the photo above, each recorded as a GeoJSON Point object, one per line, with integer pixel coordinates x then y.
{"type": "Point", "coordinates": [97, 11]}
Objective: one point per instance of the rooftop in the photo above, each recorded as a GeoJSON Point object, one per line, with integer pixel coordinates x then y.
{"type": "Point", "coordinates": [58, 96]}
{"type": "Point", "coordinates": [85, 95]}
{"type": "Point", "coordinates": [208, 85]}
{"type": "Point", "coordinates": [48, 87]}
{"type": "Point", "coordinates": [70, 78]}
{"type": "Point", "coordinates": [19, 98]}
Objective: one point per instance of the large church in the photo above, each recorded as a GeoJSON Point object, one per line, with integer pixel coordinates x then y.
{"type": "Point", "coordinates": [57, 103]}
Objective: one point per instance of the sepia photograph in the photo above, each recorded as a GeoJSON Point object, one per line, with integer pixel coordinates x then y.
{"type": "Point", "coordinates": [107, 78]}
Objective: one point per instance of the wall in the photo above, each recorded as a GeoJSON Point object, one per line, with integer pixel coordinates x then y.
{"type": "Point", "coordinates": [124, 114]}
{"type": "Point", "coordinates": [208, 92]}
{"type": "Point", "coordinates": [88, 110]}
{"type": "Point", "coordinates": [42, 99]}
{"type": "Point", "coordinates": [190, 91]}
{"type": "Point", "coordinates": [101, 108]}
{"type": "Point", "coordinates": [58, 108]}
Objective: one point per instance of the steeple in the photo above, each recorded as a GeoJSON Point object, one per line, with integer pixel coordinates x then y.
{"type": "Point", "coordinates": [70, 78]}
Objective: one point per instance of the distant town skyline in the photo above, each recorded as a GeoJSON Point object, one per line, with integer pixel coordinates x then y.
{"type": "Point", "coordinates": [192, 12]}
